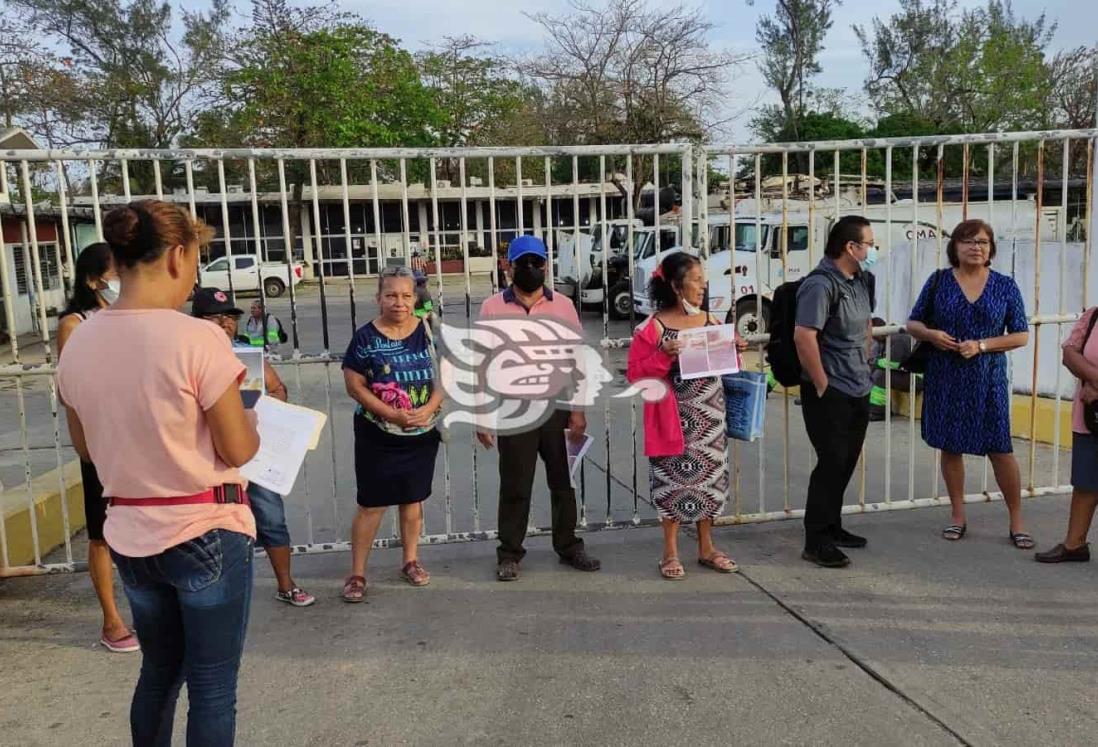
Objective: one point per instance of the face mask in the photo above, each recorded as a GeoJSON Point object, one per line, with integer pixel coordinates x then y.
{"type": "Point", "coordinates": [528, 278]}
{"type": "Point", "coordinates": [691, 309]}
{"type": "Point", "coordinates": [870, 259]}
{"type": "Point", "coordinates": [111, 292]}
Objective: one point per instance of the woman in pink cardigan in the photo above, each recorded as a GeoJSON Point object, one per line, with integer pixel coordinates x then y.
{"type": "Point", "coordinates": [684, 433]}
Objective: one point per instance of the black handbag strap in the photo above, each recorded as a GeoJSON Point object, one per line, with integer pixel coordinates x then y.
{"type": "Point", "coordinates": [930, 299]}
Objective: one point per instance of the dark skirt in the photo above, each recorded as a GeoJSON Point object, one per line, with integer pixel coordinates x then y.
{"type": "Point", "coordinates": [393, 470]}
{"type": "Point", "coordinates": [95, 506]}
{"type": "Point", "coordinates": [1084, 462]}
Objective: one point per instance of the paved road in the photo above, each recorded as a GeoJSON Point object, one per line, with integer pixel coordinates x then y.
{"type": "Point", "coordinates": [919, 642]}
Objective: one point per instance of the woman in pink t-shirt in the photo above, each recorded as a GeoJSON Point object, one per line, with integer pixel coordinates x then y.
{"type": "Point", "coordinates": [1081, 358]}
{"type": "Point", "coordinates": [153, 401]}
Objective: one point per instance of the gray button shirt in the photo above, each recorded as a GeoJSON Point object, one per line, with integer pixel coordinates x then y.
{"type": "Point", "coordinates": [842, 334]}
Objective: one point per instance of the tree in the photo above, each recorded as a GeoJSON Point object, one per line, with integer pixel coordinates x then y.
{"type": "Point", "coordinates": [982, 70]}
{"type": "Point", "coordinates": [791, 41]}
{"type": "Point", "coordinates": [478, 100]}
{"type": "Point", "coordinates": [313, 78]}
{"type": "Point", "coordinates": [627, 72]}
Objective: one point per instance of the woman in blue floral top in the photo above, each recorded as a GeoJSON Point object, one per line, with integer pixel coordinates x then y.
{"type": "Point", "coordinates": [390, 370]}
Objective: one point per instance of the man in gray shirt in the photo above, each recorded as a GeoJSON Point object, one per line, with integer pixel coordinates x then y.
{"type": "Point", "coordinates": [832, 337]}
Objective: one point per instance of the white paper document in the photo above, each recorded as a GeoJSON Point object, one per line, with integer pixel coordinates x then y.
{"type": "Point", "coordinates": [576, 448]}
{"type": "Point", "coordinates": [708, 351]}
{"type": "Point", "coordinates": [286, 433]}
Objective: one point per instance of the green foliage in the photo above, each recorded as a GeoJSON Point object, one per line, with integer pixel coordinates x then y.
{"type": "Point", "coordinates": [981, 70]}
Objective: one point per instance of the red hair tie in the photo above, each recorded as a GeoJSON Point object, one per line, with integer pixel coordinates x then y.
{"type": "Point", "coordinates": [658, 272]}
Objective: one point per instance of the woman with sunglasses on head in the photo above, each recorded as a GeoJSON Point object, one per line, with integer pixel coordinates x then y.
{"type": "Point", "coordinates": [389, 370]}
{"type": "Point", "coordinates": [972, 316]}
{"type": "Point", "coordinates": [96, 287]}
{"type": "Point", "coordinates": [153, 399]}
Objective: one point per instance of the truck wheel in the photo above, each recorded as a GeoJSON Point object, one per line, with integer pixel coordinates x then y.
{"type": "Point", "coordinates": [750, 318]}
{"type": "Point", "coordinates": [621, 300]}
{"type": "Point", "coordinates": [273, 287]}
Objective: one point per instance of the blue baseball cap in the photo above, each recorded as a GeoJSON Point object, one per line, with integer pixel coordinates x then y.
{"type": "Point", "coordinates": [526, 244]}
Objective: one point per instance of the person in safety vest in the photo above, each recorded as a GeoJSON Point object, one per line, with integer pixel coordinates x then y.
{"type": "Point", "coordinates": [253, 328]}
{"type": "Point", "coordinates": [425, 306]}
{"type": "Point", "coordinates": [880, 364]}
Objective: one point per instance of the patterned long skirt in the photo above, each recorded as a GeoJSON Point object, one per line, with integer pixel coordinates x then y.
{"type": "Point", "coordinates": [694, 485]}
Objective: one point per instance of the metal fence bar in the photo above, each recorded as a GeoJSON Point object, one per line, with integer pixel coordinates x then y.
{"type": "Point", "coordinates": [349, 242]}
{"type": "Point", "coordinates": [438, 267]}
{"type": "Point", "coordinates": [318, 243]}
{"type": "Point", "coordinates": [225, 230]}
{"type": "Point", "coordinates": [35, 276]}
{"type": "Point", "coordinates": [182, 154]}
{"type": "Point", "coordinates": [1036, 310]}
{"type": "Point", "coordinates": [631, 263]}
{"type": "Point", "coordinates": [66, 229]}
{"type": "Point", "coordinates": [605, 329]}
{"type": "Point", "coordinates": [289, 243]}
{"type": "Point", "coordinates": [911, 295]}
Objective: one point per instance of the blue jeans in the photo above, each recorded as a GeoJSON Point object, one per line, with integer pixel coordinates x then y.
{"type": "Point", "coordinates": [270, 517]}
{"type": "Point", "coordinates": [190, 608]}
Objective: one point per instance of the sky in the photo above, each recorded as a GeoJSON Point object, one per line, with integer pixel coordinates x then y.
{"type": "Point", "coordinates": [420, 23]}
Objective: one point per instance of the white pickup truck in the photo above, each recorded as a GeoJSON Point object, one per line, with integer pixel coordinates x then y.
{"type": "Point", "coordinates": [247, 272]}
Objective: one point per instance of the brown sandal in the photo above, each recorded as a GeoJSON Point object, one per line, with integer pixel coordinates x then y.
{"type": "Point", "coordinates": [672, 569]}
{"type": "Point", "coordinates": [354, 589]}
{"type": "Point", "coordinates": [719, 562]}
{"type": "Point", "coordinates": [415, 574]}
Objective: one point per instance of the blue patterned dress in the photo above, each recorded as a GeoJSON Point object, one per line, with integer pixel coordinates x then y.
{"type": "Point", "coordinates": [966, 403]}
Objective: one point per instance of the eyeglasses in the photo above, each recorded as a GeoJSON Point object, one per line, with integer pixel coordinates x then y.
{"type": "Point", "coordinates": [218, 318]}
{"type": "Point", "coordinates": [982, 243]}
{"type": "Point", "coordinates": [870, 244]}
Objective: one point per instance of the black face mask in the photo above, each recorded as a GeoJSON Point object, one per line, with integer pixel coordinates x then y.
{"type": "Point", "coordinates": [528, 278]}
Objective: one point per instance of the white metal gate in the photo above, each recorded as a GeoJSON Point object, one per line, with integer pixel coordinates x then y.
{"type": "Point", "coordinates": [574, 192]}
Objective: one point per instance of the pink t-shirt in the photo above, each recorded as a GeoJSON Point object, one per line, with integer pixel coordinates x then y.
{"type": "Point", "coordinates": [1075, 340]}
{"type": "Point", "coordinates": [554, 305]}
{"type": "Point", "coordinates": [140, 381]}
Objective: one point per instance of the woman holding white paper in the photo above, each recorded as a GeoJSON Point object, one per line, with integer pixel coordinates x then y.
{"type": "Point", "coordinates": [153, 400]}
{"type": "Point", "coordinates": [389, 370]}
{"type": "Point", "coordinates": [684, 434]}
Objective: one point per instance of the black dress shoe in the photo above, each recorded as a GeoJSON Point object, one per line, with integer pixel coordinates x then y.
{"type": "Point", "coordinates": [826, 556]}
{"type": "Point", "coordinates": [1061, 554]}
{"type": "Point", "coordinates": [507, 570]}
{"type": "Point", "coordinates": [581, 561]}
{"type": "Point", "coordinates": [843, 538]}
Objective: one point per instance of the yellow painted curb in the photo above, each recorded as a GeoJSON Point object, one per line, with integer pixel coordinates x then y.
{"type": "Point", "coordinates": [46, 493]}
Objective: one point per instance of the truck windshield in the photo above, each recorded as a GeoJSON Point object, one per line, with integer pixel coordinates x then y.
{"type": "Point", "coordinates": [747, 237]}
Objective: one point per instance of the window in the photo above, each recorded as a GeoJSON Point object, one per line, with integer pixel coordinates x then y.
{"type": "Point", "coordinates": [47, 261]}
{"type": "Point", "coordinates": [220, 265]}
{"type": "Point", "coordinates": [244, 263]}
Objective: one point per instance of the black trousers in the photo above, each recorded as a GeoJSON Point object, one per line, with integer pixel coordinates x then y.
{"type": "Point", "coordinates": [518, 459]}
{"type": "Point", "coordinates": [836, 425]}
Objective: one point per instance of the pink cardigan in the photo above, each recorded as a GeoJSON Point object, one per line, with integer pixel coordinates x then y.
{"type": "Point", "coordinates": [662, 429]}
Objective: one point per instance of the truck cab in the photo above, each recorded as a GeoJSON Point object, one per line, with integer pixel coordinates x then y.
{"type": "Point", "coordinates": [745, 266]}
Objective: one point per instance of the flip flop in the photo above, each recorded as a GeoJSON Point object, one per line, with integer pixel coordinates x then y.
{"type": "Point", "coordinates": [719, 562]}
{"type": "Point", "coordinates": [354, 589]}
{"type": "Point", "coordinates": [672, 569]}
{"type": "Point", "coordinates": [954, 532]}
{"type": "Point", "coordinates": [1022, 540]}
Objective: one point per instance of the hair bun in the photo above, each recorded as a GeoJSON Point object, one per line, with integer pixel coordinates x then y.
{"type": "Point", "coordinates": [121, 227]}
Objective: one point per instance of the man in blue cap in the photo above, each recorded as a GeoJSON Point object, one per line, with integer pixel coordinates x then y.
{"type": "Point", "coordinates": [518, 452]}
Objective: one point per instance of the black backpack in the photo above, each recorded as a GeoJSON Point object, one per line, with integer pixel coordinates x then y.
{"type": "Point", "coordinates": [781, 352]}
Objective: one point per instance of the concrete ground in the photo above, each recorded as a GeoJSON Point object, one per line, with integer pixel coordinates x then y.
{"type": "Point", "coordinates": [918, 642]}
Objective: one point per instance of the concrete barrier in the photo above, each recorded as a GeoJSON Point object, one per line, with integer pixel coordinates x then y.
{"type": "Point", "coordinates": [47, 502]}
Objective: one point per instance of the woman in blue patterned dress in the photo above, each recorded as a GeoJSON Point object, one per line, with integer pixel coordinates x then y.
{"type": "Point", "coordinates": [389, 370]}
{"type": "Point", "coordinates": [966, 396]}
